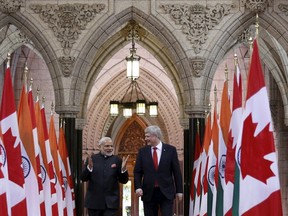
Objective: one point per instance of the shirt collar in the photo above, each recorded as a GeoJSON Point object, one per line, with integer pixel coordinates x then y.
{"type": "Point", "coordinates": [159, 146]}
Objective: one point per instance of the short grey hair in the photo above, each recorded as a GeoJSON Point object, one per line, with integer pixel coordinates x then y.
{"type": "Point", "coordinates": [154, 130]}
{"type": "Point", "coordinates": [103, 140]}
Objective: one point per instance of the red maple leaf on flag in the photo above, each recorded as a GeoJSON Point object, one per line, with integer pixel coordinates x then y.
{"type": "Point", "coordinates": [15, 157]}
{"type": "Point", "coordinates": [205, 180]}
{"type": "Point", "coordinates": [254, 149]}
{"type": "Point", "coordinates": [198, 188]}
{"type": "Point", "coordinates": [192, 190]}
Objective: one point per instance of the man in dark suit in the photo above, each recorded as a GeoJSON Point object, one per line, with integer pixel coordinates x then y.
{"type": "Point", "coordinates": [157, 174]}
{"type": "Point", "coordinates": [104, 171]}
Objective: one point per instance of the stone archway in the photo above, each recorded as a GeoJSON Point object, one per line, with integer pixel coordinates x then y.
{"type": "Point", "coordinates": [129, 140]}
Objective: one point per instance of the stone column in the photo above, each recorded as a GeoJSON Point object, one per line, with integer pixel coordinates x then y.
{"type": "Point", "coordinates": [196, 122]}
{"type": "Point", "coordinates": [185, 125]}
{"type": "Point", "coordinates": [73, 135]}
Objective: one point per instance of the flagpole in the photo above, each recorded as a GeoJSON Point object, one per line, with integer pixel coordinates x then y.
{"type": "Point", "coordinates": [257, 27]}
{"type": "Point", "coordinates": [215, 99]}
{"type": "Point", "coordinates": [25, 77]}
{"type": "Point", "coordinates": [8, 60]}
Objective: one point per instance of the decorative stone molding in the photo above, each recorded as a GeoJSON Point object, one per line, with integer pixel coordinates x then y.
{"type": "Point", "coordinates": [197, 111]}
{"type": "Point", "coordinates": [67, 64]}
{"type": "Point", "coordinates": [22, 38]}
{"type": "Point", "coordinates": [255, 5]}
{"type": "Point", "coordinates": [132, 29]}
{"type": "Point", "coordinates": [67, 20]}
{"type": "Point", "coordinates": [197, 65]}
{"type": "Point", "coordinates": [197, 20]}
{"type": "Point", "coordinates": [283, 8]}
{"type": "Point", "coordinates": [247, 36]}
{"type": "Point", "coordinates": [10, 6]}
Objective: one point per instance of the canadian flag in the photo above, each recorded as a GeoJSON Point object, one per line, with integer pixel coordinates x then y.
{"type": "Point", "coordinates": [12, 146]}
{"type": "Point", "coordinates": [3, 180]}
{"type": "Point", "coordinates": [38, 156]}
{"type": "Point", "coordinates": [234, 128]}
{"type": "Point", "coordinates": [50, 168]}
{"type": "Point", "coordinates": [259, 184]}
{"type": "Point", "coordinates": [195, 185]}
{"type": "Point", "coordinates": [48, 191]}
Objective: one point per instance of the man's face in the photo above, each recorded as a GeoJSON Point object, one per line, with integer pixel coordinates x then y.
{"type": "Point", "coordinates": [107, 148]}
{"type": "Point", "coordinates": [151, 139]}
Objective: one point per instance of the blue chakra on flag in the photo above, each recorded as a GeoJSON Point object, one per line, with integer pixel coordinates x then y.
{"type": "Point", "coordinates": [65, 181]}
{"type": "Point", "coordinates": [3, 156]}
{"type": "Point", "coordinates": [26, 166]}
{"type": "Point", "coordinates": [211, 175]}
{"type": "Point", "coordinates": [43, 174]}
{"type": "Point", "coordinates": [222, 165]}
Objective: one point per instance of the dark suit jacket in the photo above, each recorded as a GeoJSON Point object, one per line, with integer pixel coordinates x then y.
{"type": "Point", "coordinates": [103, 185]}
{"type": "Point", "coordinates": [168, 175]}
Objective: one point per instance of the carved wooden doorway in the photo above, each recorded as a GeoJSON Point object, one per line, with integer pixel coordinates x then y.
{"type": "Point", "coordinates": [128, 141]}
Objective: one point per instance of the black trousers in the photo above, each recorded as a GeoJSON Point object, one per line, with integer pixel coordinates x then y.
{"type": "Point", "coordinates": [104, 212]}
{"type": "Point", "coordinates": [158, 203]}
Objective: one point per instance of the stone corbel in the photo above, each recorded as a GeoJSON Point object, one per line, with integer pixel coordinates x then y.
{"type": "Point", "coordinates": [256, 6]}
{"type": "Point", "coordinates": [67, 64]}
{"type": "Point", "coordinates": [10, 6]}
{"type": "Point", "coordinates": [283, 8]}
{"type": "Point", "coordinates": [197, 64]}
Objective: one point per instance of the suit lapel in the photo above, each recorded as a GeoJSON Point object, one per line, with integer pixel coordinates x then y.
{"type": "Point", "coordinates": [149, 156]}
{"type": "Point", "coordinates": [163, 155]}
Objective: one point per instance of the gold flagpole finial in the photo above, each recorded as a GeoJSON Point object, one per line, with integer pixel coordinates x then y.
{"type": "Point", "coordinates": [235, 60]}
{"type": "Point", "coordinates": [226, 72]}
{"type": "Point", "coordinates": [43, 101]}
{"type": "Point", "coordinates": [37, 93]}
{"type": "Point", "coordinates": [215, 97]}
{"type": "Point", "coordinates": [8, 60]}
{"type": "Point", "coordinates": [25, 79]}
{"type": "Point", "coordinates": [52, 108]}
{"type": "Point", "coordinates": [250, 41]}
{"type": "Point", "coordinates": [31, 82]}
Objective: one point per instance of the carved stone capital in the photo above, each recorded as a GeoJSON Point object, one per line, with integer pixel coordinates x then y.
{"type": "Point", "coordinates": [67, 64]}
{"type": "Point", "coordinates": [67, 20]}
{"type": "Point", "coordinates": [197, 65]}
{"type": "Point", "coordinates": [197, 111]}
{"type": "Point", "coordinates": [255, 5]}
{"type": "Point", "coordinates": [196, 20]}
{"type": "Point", "coordinates": [67, 111]}
{"type": "Point", "coordinates": [10, 6]}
